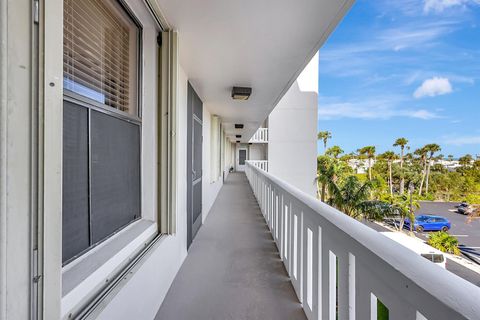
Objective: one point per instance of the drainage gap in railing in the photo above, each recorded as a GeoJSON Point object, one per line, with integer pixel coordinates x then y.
{"type": "Point", "coordinates": [378, 310]}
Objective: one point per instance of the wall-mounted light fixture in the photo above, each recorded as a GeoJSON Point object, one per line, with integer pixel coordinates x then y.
{"type": "Point", "coordinates": [238, 136]}
{"type": "Point", "coordinates": [238, 126]}
{"type": "Point", "coordinates": [241, 93]}
{"type": "Point", "coordinates": [238, 141]}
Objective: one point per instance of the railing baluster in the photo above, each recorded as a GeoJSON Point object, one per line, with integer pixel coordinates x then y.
{"type": "Point", "coordinates": [341, 269]}
{"type": "Point", "coordinates": [260, 136]}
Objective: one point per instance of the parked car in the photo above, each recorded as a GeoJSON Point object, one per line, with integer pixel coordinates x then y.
{"type": "Point", "coordinates": [419, 247]}
{"type": "Point", "coordinates": [463, 204]}
{"type": "Point", "coordinates": [429, 223]}
{"type": "Point", "coordinates": [464, 209]}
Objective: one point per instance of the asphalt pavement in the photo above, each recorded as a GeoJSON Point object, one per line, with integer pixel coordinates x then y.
{"type": "Point", "coordinates": [458, 223]}
{"type": "Point", "coordinates": [467, 232]}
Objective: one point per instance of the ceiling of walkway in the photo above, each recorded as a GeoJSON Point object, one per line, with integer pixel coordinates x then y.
{"type": "Point", "coordinates": [262, 44]}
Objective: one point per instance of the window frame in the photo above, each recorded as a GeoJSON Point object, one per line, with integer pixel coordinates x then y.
{"type": "Point", "coordinates": [91, 103]}
{"type": "Point", "coordinates": [136, 119]}
{"type": "Point", "coordinates": [52, 95]}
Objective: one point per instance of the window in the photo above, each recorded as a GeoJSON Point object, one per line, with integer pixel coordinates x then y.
{"type": "Point", "coordinates": [242, 156]}
{"type": "Point", "coordinates": [434, 257]}
{"type": "Point", "coordinates": [100, 53]}
{"type": "Point", "coordinates": [101, 124]}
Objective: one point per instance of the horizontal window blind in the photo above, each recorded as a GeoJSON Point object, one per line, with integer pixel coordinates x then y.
{"type": "Point", "coordinates": [100, 53]}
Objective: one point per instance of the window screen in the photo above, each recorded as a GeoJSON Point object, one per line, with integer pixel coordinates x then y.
{"type": "Point", "coordinates": [101, 147]}
{"type": "Point", "coordinates": [100, 53]}
{"type": "Point", "coordinates": [75, 217]}
{"type": "Point", "coordinates": [115, 182]}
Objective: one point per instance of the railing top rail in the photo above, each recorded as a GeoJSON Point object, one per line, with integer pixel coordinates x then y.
{"type": "Point", "coordinates": [446, 287]}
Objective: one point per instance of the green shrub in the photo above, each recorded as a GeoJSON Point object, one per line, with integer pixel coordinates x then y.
{"type": "Point", "coordinates": [473, 198]}
{"type": "Point", "coordinates": [444, 242]}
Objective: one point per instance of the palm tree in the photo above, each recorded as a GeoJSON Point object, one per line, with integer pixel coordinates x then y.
{"type": "Point", "coordinates": [324, 136]}
{"type": "Point", "coordinates": [334, 152]}
{"type": "Point", "coordinates": [450, 157]}
{"type": "Point", "coordinates": [328, 172]}
{"type": "Point", "coordinates": [402, 143]}
{"type": "Point", "coordinates": [422, 154]}
{"type": "Point", "coordinates": [402, 207]}
{"type": "Point", "coordinates": [369, 152]}
{"type": "Point", "coordinates": [351, 196]}
{"type": "Point", "coordinates": [389, 157]}
{"type": "Point", "coordinates": [466, 160]}
{"type": "Point", "coordinates": [323, 176]}
{"type": "Point", "coordinates": [431, 149]}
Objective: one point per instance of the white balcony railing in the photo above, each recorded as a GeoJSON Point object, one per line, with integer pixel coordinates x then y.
{"type": "Point", "coordinates": [260, 164]}
{"type": "Point", "coordinates": [337, 264]}
{"type": "Point", "coordinates": [261, 136]}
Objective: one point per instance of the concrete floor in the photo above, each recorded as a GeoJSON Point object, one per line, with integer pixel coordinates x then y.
{"type": "Point", "coordinates": [233, 270]}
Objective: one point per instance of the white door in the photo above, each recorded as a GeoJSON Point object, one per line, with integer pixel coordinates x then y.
{"type": "Point", "coordinates": [241, 158]}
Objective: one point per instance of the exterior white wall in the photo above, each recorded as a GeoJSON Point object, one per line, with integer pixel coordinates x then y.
{"type": "Point", "coordinates": [292, 147]}
{"type": "Point", "coordinates": [141, 295]}
{"type": "Point", "coordinates": [257, 151]}
{"type": "Point", "coordinates": [15, 164]}
{"type": "Point", "coordinates": [209, 189]}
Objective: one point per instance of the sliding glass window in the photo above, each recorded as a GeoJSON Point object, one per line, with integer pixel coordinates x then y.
{"type": "Point", "coordinates": [102, 123]}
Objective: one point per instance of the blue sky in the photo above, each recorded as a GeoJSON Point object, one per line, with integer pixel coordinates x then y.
{"type": "Point", "coordinates": [406, 68]}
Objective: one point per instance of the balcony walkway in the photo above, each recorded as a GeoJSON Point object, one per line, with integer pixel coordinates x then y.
{"type": "Point", "coordinates": [233, 269]}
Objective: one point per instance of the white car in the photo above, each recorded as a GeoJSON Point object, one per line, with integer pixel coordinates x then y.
{"type": "Point", "coordinates": [419, 247]}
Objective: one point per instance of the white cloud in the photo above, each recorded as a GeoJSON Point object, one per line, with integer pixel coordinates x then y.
{"type": "Point", "coordinates": [422, 114]}
{"type": "Point", "coordinates": [387, 107]}
{"type": "Point", "coordinates": [415, 35]}
{"type": "Point", "coordinates": [381, 48]}
{"type": "Point", "coordinates": [441, 5]}
{"type": "Point", "coordinates": [460, 141]}
{"type": "Point", "coordinates": [433, 87]}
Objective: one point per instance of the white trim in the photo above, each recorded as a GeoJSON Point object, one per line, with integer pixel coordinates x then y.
{"type": "Point", "coordinates": [93, 282]}
{"type": "Point", "coordinates": [3, 158]}
{"type": "Point", "coordinates": [52, 157]}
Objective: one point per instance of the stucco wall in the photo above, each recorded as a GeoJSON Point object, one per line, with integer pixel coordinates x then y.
{"type": "Point", "coordinates": [292, 148]}
{"type": "Point", "coordinates": [257, 151]}
{"type": "Point", "coordinates": [141, 296]}
{"type": "Point", "coordinates": [210, 188]}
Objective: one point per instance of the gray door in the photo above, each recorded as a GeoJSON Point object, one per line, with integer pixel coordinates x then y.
{"type": "Point", "coordinates": [194, 164]}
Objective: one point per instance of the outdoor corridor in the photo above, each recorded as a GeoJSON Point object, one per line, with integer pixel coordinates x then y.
{"type": "Point", "coordinates": [233, 269]}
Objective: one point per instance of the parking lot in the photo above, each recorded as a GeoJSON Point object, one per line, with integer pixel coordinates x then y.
{"type": "Point", "coordinates": [467, 233]}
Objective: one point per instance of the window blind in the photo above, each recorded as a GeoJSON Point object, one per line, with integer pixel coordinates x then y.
{"type": "Point", "coordinates": [100, 53]}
